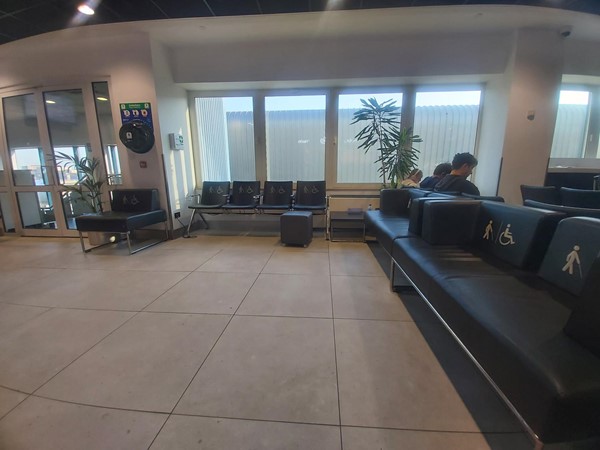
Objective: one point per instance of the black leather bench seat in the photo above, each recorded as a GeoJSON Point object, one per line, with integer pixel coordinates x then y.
{"type": "Point", "coordinates": [119, 222]}
{"type": "Point", "coordinates": [514, 330]}
{"type": "Point", "coordinates": [132, 209]}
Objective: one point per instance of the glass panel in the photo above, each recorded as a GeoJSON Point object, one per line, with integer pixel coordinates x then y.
{"type": "Point", "coordinates": [107, 133]}
{"type": "Point", "coordinates": [353, 165]}
{"type": "Point", "coordinates": [447, 123]}
{"type": "Point", "coordinates": [67, 127]}
{"type": "Point", "coordinates": [295, 137]}
{"type": "Point", "coordinates": [23, 136]}
{"type": "Point", "coordinates": [6, 212]}
{"type": "Point", "coordinates": [73, 206]}
{"type": "Point", "coordinates": [571, 125]}
{"type": "Point", "coordinates": [2, 174]}
{"type": "Point", "coordinates": [226, 133]}
{"type": "Point", "coordinates": [37, 210]}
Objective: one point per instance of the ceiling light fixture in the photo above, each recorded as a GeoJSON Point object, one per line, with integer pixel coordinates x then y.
{"type": "Point", "coordinates": [102, 99]}
{"type": "Point", "coordinates": [50, 102]}
{"type": "Point", "coordinates": [85, 9]}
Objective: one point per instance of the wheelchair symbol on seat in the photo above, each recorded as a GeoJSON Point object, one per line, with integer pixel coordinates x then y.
{"type": "Point", "coordinates": [506, 237]}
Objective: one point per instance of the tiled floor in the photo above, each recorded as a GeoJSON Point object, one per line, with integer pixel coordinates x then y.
{"type": "Point", "coordinates": [229, 342]}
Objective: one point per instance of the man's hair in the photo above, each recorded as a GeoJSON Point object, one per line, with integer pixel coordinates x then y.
{"type": "Point", "coordinates": [442, 169]}
{"type": "Point", "coordinates": [460, 159]}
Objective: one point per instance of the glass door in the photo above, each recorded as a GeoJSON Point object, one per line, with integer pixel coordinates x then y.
{"type": "Point", "coordinates": [39, 126]}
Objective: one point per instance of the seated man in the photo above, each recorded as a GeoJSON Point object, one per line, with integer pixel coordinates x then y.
{"type": "Point", "coordinates": [440, 171]}
{"type": "Point", "coordinates": [456, 181]}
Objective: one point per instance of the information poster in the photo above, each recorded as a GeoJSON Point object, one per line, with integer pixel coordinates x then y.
{"type": "Point", "coordinates": [136, 111]}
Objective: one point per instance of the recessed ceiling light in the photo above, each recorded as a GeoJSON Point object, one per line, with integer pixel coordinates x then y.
{"type": "Point", "coordinates": [50, 102]}
{"type": "Point", "coordinates": [85, 9]}
{"type": "Point", "coordinates": [102, 99]}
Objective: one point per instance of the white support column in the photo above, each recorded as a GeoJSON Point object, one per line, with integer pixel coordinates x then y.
{"type": "Point", "coordinates": [532, 106]}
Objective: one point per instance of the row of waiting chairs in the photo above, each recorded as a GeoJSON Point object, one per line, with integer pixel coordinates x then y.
{"type": "Point", "coordinates": [577, 198]}
{"type": "Point", "coordinates": [220, 196]}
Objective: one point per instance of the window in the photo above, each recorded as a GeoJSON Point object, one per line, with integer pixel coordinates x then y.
{"type": "Point", "coordinates": [226, 135]}
{"type": "Point", "coordinates": [295, 127]}
{"type": "Point", "coordinates": [571, 126]}
{"type": "Point", "coordinates": [353, 165]}
{"type": "Point", "coordinates": [447, 123]}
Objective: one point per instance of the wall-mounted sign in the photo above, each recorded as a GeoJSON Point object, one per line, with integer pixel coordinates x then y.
{"type": "Point", "coordinates": [136, 111]}
{"type": "Point", "coordinates": [137, 132]}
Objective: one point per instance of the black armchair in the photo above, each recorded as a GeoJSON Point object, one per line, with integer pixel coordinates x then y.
{"type": "Point", "coordinates": [544, 194]}
{"type": "Point", "coordinates": [580, 198]}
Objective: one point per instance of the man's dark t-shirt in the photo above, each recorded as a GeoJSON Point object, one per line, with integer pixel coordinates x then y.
{"type": "Point", "coordinates": [456, 183]}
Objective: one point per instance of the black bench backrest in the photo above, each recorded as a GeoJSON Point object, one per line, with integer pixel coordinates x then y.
{"type": "Point", "coordinates": [569, 211]}
{"type": "Point", "coordinates": [580, 198]}
{"type": "Point", "coordinates": [572, 251]}
{"type": "Point", "coordinates": [214, 192]}
{"type": "Point", "coordinates": [394, 202]}
{"type": "Point", "coordinates": [449, 222]}
{"type": "Point", "coordinates": [245, 192]}
{"type": "Point", "coordinates": [515, 234]}
{"type": "Point", "coordinates": [573, 263]}
{"type": "Point", "coordinates": [134, 200]}
{"type": "Point", "coordinates": [545, 194]}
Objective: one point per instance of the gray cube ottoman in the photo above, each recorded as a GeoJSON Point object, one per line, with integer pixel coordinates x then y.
{"type": "Point", "coordinates": [296, 227]}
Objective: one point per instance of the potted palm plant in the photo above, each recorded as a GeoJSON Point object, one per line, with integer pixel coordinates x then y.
{"type": "Point", "coordinates": [396, 154]}
{"type": "Point", "coordinates": [87, 188]}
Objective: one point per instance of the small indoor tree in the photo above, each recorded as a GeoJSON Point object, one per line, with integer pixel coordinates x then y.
{"type": "Point", "coordinates": [90, 179]}
{"type": "Point", "coordinates": [397, 156]}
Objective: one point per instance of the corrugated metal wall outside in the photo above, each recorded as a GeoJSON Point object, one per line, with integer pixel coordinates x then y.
{"type": "Point", "coordinates": [296, 143]}
{"type": "Point", "coordinates": [570, 131]}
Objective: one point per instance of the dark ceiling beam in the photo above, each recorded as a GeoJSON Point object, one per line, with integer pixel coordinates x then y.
{"type": "Point", "coordinates": [209, 8]}
{"type": "Point", "coordinates": [160, 9]}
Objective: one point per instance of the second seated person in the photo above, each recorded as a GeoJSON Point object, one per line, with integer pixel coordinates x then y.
{"type": "Point", "coordinates": [456, 181]}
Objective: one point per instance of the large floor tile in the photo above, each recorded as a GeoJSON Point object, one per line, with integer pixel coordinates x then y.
{"type": "Point", "coordinates": [182, 432]}
{"type": "Point", "coordinates": [145, 365]}
{"type": "Point", "coordinates": [368, 438]}
{"type": "Point", "coordinates": [237, 261]}
{"type": "Point", "coordinates": [356, 297]}
{"type": "Point", "coordinates": [289, 295]}
{"type": "Point", "coordinates": [318, 244]}
{"type": "Point", "coordinates": [353, 259]}
{"type": "Point", "coordinates": [388, 377]}
{"type": "Point", "coordinates": [40, 348]}
{"type": "Point", "coordinates": [49, 425]}
{"type": "Point", "coordinates": [96, 289]}
{"type": "Point", "coordinates": [12, 278]}
{"type": "Point", "coordinates": [298, 263]}
{"type": "Point", "coordinates": [268, 368]}
{"type": "Point", "coordinates": [8, 400]}
{"type": "Point", "coordinates": [13, 316]}
{"type": "Point", "coordinates": [204, 292]}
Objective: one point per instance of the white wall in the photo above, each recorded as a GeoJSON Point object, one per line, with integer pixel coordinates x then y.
{"type": "Point", "coordinates": [375, 57]}
{"type": "Point", "coordinates": [174, 118]}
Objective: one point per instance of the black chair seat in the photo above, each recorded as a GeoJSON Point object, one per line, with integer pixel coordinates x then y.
{"type": "Point", "coordinates": [274, 207]}
{"type": "Point", "coordinates": [230, 206]}
{"type": "Point", "coordinates": [310, 207]}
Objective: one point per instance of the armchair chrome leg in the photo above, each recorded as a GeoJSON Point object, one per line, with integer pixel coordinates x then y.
{"type": "Point", "coordinates": [190, 224]}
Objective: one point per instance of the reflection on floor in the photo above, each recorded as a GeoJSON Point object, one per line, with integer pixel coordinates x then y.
{"type": "Point", "coordinates": [229, 342]}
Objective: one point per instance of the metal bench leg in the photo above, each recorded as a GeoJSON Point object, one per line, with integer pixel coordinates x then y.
{"type": "Point", "coordinates": [82, 243]}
